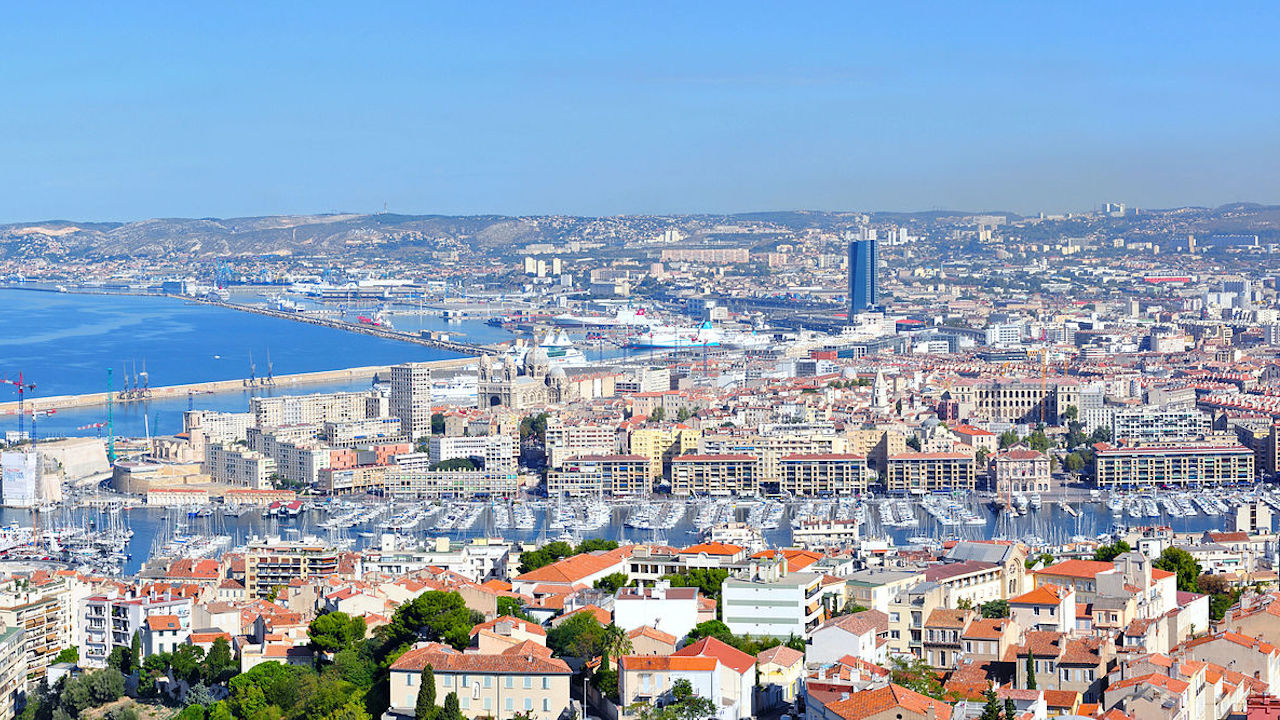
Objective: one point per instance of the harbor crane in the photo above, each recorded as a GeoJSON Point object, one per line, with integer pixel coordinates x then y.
{"type": "Point", "coordinates": [93, 426]}
{"type": "Point", "coordinates": [22, 387]}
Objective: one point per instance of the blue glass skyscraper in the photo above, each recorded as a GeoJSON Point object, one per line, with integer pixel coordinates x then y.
{"type": "Point", "coordinates": [864, 290]}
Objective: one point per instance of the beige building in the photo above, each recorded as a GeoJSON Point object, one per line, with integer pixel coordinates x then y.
{"type": "Point", "coordinates": [578, 439]}
{"type": "Point", "coordinates": [43, 610]}
{"type": "Point", "coordinates": [1174, 464]}
{"type": "Point", "coordinates": [834, 474]}
{"type": "Point", "coordinates": [13, 671]}
{"type": "Point", "coordinates": [1029, 401]}
{"type": "Point", "coordinates": [238, 466]}
{"type": "Point", "coordinates": [921, 473]}
{"type": "Point", "coordinates": [720, 475]}
{"type": "Point", "coordinates": [1021, 470]}
{"type": "Point", "coordinates": [660, 444]}
{"type": "Point", "coordinates": [525, 679]}
{"type": "Point", "coordinates": [272, 563]}
{"type": "Point", "coordinates": [617, 475]}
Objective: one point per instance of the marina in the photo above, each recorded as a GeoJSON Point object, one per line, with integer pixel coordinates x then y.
{"type": "Point", "coordinates": [109, 537]}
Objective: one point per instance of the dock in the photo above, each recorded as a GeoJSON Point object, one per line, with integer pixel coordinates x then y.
{"type": "Point", "coordinates": [374, 330]}
{"type": "Point", "coordinates": [220, 386]}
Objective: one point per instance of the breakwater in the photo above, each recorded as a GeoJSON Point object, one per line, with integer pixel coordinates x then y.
{"type": "Point", "coordinates": [216, 386]}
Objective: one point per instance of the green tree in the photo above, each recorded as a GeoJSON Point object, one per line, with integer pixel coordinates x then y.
{"type": "Point", "coordinates": [219, 711]}
{"type": "Point", "coordinates": [135, 654]}
{"type": "Point", "coordinates": [513, 607]}
{"type": "Point", "coordinates": [185, 663]}
{"type": "Point", "coordinates": [425, 708]}
{"type": "Point", "coordinates": [1031, 671]}
{"type": "Point", "coordinates": [1180, 561]}
{"type": "Point", "coordinates": [1107, 553]}
{"type": "Point", "coordinates": [335, 631]}
{"type": "Point", "coordinates": [913, 442]}
{"type": "Point", "coordinates": [450, 711]}
{"type": "Point", "coordinates": [118, 659]}
{"type": "Point", "coordinates": [191, 712]}
{"type": "Point", "coordinates": [851, 607]}
{"type": "Point", "coordinates": [707, 580]}
{"type": "Point", "coordinates": [994, 609]}
{"type": "Point", "coordinates": [616, 642]}
{"type": "Point", "coordinates": [658, 414]}
{"type": "Point", "coordinates": [915, 674]}
{"type": "Point", "coordinates": [219, 665]}
{"type": "Point", "coordinates": [595, 545]}
{"type": "Point", "coordinates": [355, 665]}
{"type": "Point", "coordinates": [437, 423]}
{"type": "Point", "coordinates": [712, 628]}
{"type": "Point", "coordinates": [1010, 709]}
{"type": "Point", "coordinates": [612, 582]}
{"type": "Point", "coordinates": [581, 636]}
{"type": "Point", "coordinates": [1008, 438]}
{"type": "Point", "coordinates": [1074, 462]}
{"type": "Point", "coordinates": [685, 705]}
{"type": "Point", "coordinates": [606, 679]}
{"type": "Point", "coordinates": [545, 555]}
{"type": "Point", "coordinates": [455, 464]}
{"type": "Point", "coordinates": [683, 414]}
{"type": "Point", "coordinates": [990, 709]}
{"type": "Point", "coordinates": [68, 655]}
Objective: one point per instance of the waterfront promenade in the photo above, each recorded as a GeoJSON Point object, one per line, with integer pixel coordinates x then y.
{"type": "Point", "coordinates": [216, 386]}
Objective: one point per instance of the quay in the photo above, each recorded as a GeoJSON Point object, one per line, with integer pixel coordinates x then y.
{"type": "Point", "coordinates": [220, 386]}
{"type": "Point", "coordinates": [374, 330]}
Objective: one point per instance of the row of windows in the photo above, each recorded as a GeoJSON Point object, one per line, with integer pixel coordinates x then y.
{"type": "Point", "coordinates": [486, 680]}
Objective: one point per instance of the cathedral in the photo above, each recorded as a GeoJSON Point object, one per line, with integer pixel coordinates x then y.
{"type": "Point", "coordinates": [529, 384]}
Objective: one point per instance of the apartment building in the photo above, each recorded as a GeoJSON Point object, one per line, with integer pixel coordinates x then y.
{"type": "Point", "coordinates": [1155, 465]}
{"type": "Point", "coordinates": [617, 475]}
{"type": "Point", "coordinates": [720, 475]}
{"type": "Point", "coordinates": [353, 433]}
{"type": "Point", "coordinates": [497, 453]}
{"type": "Point", "coordinates": [920, 473]}
{"type": "Point", "coordinates": [419, 482]}
{"type": "Point", "coordinates": [271, 563]}
{"type": "Point", "coordinates": [662, 444]}
{"type": "Point", "coordinates": [1147, 424]}
{"type": "Point", "coordinates": [411, 398]}
{"type": "Point", "coordinates": [111, 621]}
{"type": "Point", "coordinates": [239, 466]}
{"type": "Point", "coordinates": [41, 607]}
{"type": "Point", "coordinates": [309, 409]}
{"type": "Point", "coordinates": [13, 671]}
{"type": "Point", "coordinates": [299, 459]}
{"type": "Point", "coordinates": [566, 441]}
{"type": "Point", "coordinates": [822, 474]}
{"type": "Point", "coordinates": [772, 444]}
{"type": "Point", "coordinates": [519, 681]}
{"type": "Point", "coordinates": [209, 426]}
{"type": "Point", "coordinates": [790, 605]}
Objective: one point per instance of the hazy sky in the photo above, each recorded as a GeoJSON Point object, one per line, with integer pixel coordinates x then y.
{"type": "Point", "coordinates": [127, 111]}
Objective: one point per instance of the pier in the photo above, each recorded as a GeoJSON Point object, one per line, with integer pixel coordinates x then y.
{"type": "Point", "coordinates": [220, 386]}
{"type": "Point", "coordinates": [376, 331]}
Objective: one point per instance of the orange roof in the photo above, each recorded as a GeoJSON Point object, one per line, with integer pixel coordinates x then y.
{"type": "Point", "coordinates": [728, 655]}
{"type": "Point", "coordinates": [1156, 679]}
{"type": "Point", "coordinates": [667, 663]}
{"type": "Point", "coordinates": [1077, 568]}
{"type": "Point", "coordinates": [653, 633]}
{"type": "Point", "coordinates": [574, 569]}
{"type": "Point", "coordinates": [526, 626]}
{"type": "Point", "coordinates": [712, 548]}
{"type": "Point", "coordinates": [874, 702]}
{"type": "Point", "coordinates": [1047, 594]}
{"type": "Point", "coordinates": [163, 622]}
{"type": "Point", "coordinates": [1158, 574]}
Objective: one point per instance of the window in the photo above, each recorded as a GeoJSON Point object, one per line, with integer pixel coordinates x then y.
{"type": "Point", "coordinates": [466, 681]}
{"type": "Point", "coordinates": [413, 678]}
{"type": "Point", "coordinates": [488, 681]}
{"type": "Point", "coordinates": [465, 702]}
{"type": "Point", "coordinates": [546, 683]}
{"type": "Point", "coordinates": [448, 681]}
{"type": "Point", "coordinates": [511, 704]}
{"type": "Point", "coordinates": [488, 704]}
{"type": "Point", "coordinates": [528, 703]}
{"type": "Point", "coordinates": [546, 704]}
{"type": "Point", "coordinates": [528, 683]}
{"type": "Point", "coordinates": [510, 683]}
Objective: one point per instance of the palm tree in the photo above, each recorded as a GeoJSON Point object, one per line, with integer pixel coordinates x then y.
{"type": "Point", "coordinates": [616, 642]}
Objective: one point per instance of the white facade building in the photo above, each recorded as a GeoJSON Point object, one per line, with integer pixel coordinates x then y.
{"type": "Point", "coordinates": [791, 605]}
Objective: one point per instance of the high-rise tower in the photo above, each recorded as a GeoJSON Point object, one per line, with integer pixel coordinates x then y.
{"type": "Point", "coordinates": [864, 290]}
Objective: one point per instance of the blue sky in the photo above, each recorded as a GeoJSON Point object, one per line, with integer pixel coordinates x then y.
{"type": "Point", "coordinates": [125, 111]}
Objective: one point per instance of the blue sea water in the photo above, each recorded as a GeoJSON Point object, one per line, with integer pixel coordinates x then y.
{"type": "Point", "coordinates": [65, 343]}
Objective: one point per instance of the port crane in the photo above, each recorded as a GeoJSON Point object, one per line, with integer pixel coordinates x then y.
{"type": "Point", "coordinates": [35, 508]}
{"type": "Point", "coordinates": [22, 387]}
{"type": "Point", "coordinates": [93, 426]}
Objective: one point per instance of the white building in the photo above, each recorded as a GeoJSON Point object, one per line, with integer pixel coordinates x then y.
{"type": "Point", "coordinates": [671, 610]}
{"type": "Point", "coordinates": [110, 622]}
{"type": "Point", "coordinates": [500, 453]}
{"type": "Point", "coordinates": [791, 605]}
{"type": "Point", "coordinates": [239, 467]}
{"type": "Point", "coordinates": [411, 398]}
{"type": "Point", "coordinates": [858, 635]}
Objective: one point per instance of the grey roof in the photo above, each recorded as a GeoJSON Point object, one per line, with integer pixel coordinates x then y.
{"type": "Point", "coordinates": [982, 552]}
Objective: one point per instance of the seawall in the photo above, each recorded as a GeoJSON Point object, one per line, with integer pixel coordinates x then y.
{"type": "Point", "coordinates": [218, 386]}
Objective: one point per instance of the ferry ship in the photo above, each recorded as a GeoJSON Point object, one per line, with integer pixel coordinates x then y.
{"type": "Point", "coordinates": [670, 337]}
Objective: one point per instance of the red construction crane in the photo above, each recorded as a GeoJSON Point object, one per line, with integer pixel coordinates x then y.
{"type": "Point", "coordinates": [93, 426]}
{"type": "Point", "coordinates": [22, 388]}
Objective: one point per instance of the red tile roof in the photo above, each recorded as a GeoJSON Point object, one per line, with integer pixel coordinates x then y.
{"type": "Point", "coordinates": [728, 655]}
{"type": "Point", "coordinates": [874, 702]}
